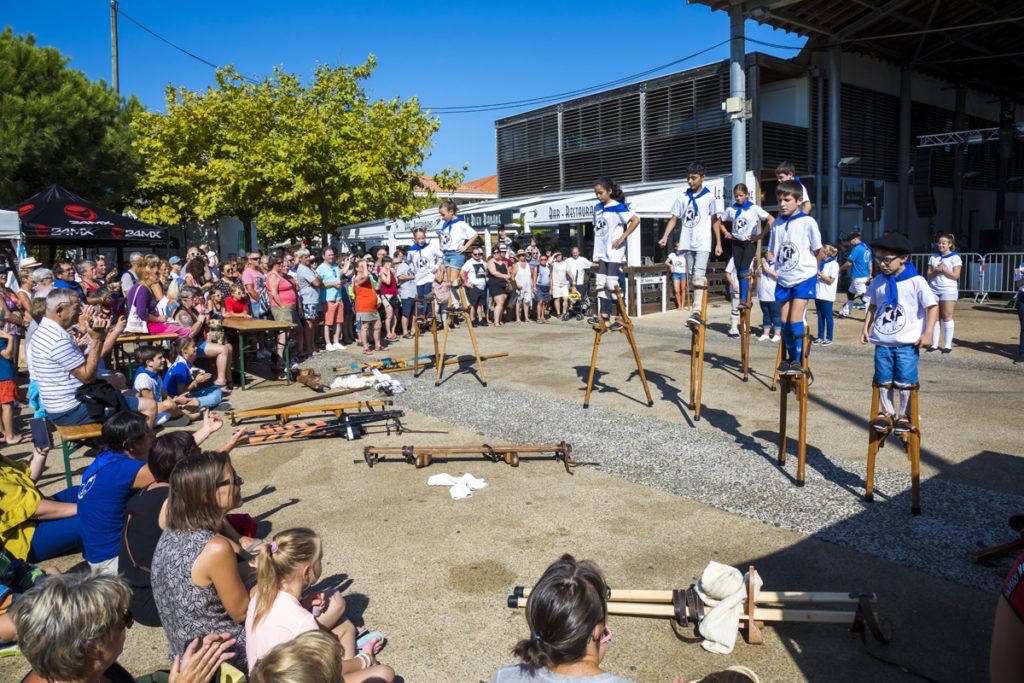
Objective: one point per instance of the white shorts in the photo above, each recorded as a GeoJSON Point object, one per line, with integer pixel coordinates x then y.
{"type": "Point", "coordinates": [858, 286]}
{"type": "Point", "coordinates": [947, 294]}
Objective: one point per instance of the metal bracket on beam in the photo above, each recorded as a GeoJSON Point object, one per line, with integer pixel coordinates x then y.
{"type": "Point", "coordinates": [974, 136]}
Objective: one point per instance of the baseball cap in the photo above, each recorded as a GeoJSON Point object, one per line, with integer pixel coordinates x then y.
{"type": "Point", "coordinates": [174, 260]}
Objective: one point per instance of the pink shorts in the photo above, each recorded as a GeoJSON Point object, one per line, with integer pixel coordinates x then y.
{"type": "Point", "coordinates": [334, 313]}
{"type": "Point", "coordinates": [158, 327]}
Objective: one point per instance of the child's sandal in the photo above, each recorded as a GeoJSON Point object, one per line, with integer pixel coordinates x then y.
{"type": "Point", "coordinates": [370, 642]}
{"type": "Point", "coordinates": [882, 423]}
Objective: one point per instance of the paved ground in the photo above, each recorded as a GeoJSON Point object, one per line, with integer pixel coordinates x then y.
{"type": "Point", "coordinates": [433, 573]}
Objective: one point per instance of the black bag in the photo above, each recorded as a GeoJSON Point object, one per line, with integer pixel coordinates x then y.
{"type": "Point", "coordinates": [101, 399]}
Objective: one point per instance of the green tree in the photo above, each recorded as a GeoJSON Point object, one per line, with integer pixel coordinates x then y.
{"type": "Point", "coordinates": [57, 126]}
{"type": "Point", "coordinates": [449, 179]}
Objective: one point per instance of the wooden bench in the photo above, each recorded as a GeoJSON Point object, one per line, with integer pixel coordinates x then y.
{"type": "Point", "coordinates": [74, 437]}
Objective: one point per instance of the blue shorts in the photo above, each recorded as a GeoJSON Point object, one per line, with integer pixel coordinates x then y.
{"type": "Point", "coordinates": [896, 364]}
{"type": "Point", "coordinates": [801, 290]}
{"type": "Point", "coordinates": [407, 306]}
{"type": "Point", "coordinates": [201, 349]}
{"type": "Point", "coordinates": [454, 259]}
{"type": "Point", "coordinates": [676, 277]}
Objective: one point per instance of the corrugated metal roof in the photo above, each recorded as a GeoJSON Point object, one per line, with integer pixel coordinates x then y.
{"type": "Point", "coordinates": [973, 42]}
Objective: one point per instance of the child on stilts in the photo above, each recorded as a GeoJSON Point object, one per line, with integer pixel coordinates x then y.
{"type": "Point", "coordinates": [614, 222]}
{"type": "Point", "coordinates": [899, 321]}
{"type": "Point", "coordinates": [795, 247]}
{"type": "Point", "coordinates": [746, 219]}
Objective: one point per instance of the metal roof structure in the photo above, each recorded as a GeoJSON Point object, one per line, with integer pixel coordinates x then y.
{"type": "Point", "coordinates": [971, 42]}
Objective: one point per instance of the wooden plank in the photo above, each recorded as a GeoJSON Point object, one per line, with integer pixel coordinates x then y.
{"type": "Point", "coordinates": [303, 410]}
{"type": "Point", "coordinates": [91, 430]}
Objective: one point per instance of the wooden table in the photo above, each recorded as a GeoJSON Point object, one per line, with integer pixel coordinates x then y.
{"type": "Point", "coordinates": [244, 327]}
{"type": "Point", "coordinates": [120, 353]}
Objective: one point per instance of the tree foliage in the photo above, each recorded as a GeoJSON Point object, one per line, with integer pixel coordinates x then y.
{"type": "Point", "coordinates": [299, 159]}
{"type": "Point", "coordinates": [57, 126]}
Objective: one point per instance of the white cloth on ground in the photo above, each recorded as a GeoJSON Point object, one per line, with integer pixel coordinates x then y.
{"type": "Point", "coordinates": [352, 382]}
{"type": "Point", "coordinates": [461, 487]}
{"type": "Point", "coordinates": [725, 588]}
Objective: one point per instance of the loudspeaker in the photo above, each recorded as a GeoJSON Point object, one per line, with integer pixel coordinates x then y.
{"type": "Point", "coordinates": [924, 197]}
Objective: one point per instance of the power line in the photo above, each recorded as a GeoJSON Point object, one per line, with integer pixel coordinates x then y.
{"type": "Point", "coordinates": [175, 45]}
{"type": "Point", "coordinates": [516, 104]}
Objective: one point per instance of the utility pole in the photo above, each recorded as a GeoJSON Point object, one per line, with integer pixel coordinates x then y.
{"type": "Point", "coordinates": [115, 77]}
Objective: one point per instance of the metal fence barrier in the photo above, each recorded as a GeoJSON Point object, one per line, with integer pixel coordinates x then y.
{"type": "Point", "coordinates": [982, 275]}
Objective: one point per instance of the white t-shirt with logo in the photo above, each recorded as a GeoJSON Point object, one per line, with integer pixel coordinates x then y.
{"type": "Point", "coordinates": [745, 222]}
{"type": "Point", "coordinates": [904, 323]}
{"type": "Point", "coordinates": [455, 235]}
{"type": "Point", "coordinates": [794, 242]}
{"type": "Point", "coordinates": [942, 283]}
{"type": "Point", "coordinates": [610, 221]}
{"type": "Point", "coordinates": [677, 262]}
{"type": "Point", "coordinates": [476, 273]}
{"type": "Point", "coordinates": [424, 262]}
{"type": "Point", "coordinates": [827, 291]}
{"type": "Point", "coordinates": [695, 212]}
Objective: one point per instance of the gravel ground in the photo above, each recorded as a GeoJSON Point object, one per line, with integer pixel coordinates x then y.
{"type": "Point", "coordinates": [741, 474]}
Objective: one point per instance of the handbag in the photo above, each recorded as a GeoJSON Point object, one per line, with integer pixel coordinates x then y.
{"type": "Point", "coordinates": [136, 323]}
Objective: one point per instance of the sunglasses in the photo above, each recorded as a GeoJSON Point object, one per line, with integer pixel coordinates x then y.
{"type": "Point", "coordinates": [478, 253]}
{"type": "Point", "coordinates": [127, 619]}
{"type": "Point", "coordinates": [234, 481]}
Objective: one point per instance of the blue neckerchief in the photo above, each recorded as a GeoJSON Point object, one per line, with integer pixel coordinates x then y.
{"type": "Point", "coordinates": [785, 226]}
{"type": "Point", "coordinates": [740, 208]}
{"type": "Point", "coordinates": [949, 255]}
{"type": "Point", "coordinates": [616, 207]}
{"type": "Point", "coordinates": [797, 179]}
{"type": "Point", "coordinates": [417, 247]}
{"type": "Point", "coordinates": [821, 266]}
{"type": "Point", "coordinates": [447, 225]}
{"type": "Point", "coordinates": [694, 197]}
{"type": "Point", "coordinates": [892, 296]}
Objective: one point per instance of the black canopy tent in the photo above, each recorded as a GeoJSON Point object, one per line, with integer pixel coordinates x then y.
{"type": "Point", "coordinates": [57, 218]}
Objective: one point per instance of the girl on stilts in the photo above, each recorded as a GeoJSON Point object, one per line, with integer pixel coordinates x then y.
{"type": "Point", "coordinates": [613, 224]}
{"type": "Point", "coordinates": [746, 219]}
{"type": "Point", "coordinates": [943, 277]}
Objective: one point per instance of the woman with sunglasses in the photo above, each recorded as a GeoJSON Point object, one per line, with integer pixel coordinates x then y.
{"type": "Point", "coordinates": [73, 627]}
{"type": "Point", "coordinates": [567, 613]}
{"type": "Point", "coordinates": [195, 575]}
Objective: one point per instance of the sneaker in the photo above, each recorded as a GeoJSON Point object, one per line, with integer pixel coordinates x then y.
{"type": "Point", "coordinates": [902, 425]}
{"type": "Point", "coordinates": [783, 368]}
{"type": "Point", "coordinates": [10, 650]}
{"type": "Point", "coordinates": [932, 349]}
{"type": "Point", "coordinates": [945, 351]}
{"type": "Point", "coordinates": [818, 342]}
{"type": "Point", "coordinates": [826, 342]}
{"type": "Point", "coordinates": [744, 305]}
{"type": "Point", "coordinates": [616, 326]}
{"type": "Point", "coordinates": [776, 339]}
{"type": "Point", "coordinates": [695, 319]}
{"type": "Point", "coordinates": [764, 337]}
{"type": "Point", "coordinates": [593, 320]}
{"type": "Point", "coordinates": [882, 423]}
{"type": "Point", "coordinates": [842, 313]}
{"type": "Point", "coordinates": [734, 333]}
{"type": "Point", "coordinates": [1019, 361]}
{"type": "Point", "coordinates": [795, 368]}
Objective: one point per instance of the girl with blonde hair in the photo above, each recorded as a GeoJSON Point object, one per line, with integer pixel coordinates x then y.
{"type": "Point", "coordinates": [286, 566]}
{"type": "Point", "coordinates": [313, 657]}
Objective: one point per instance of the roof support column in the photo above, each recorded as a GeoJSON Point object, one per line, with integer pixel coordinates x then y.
{"type": "Point", "coordinates": [903, 152]}
{"type": "Point", "coordinates": [561, 155]}
{"type": "Point", "coordinates": [834, 106]}
{"type": "Point", "coordinates": [738, 89]}
{"type": "Point", "coordinates": [959, 123]}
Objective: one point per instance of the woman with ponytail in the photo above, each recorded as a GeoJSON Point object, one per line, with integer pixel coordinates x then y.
{"type": "Point", "coordinates": [567, 613]}
{"type": "Point", "coordinates": [286, 566]}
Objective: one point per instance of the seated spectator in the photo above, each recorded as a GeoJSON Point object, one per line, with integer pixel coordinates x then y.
{"type": "Point", "coordinates": [141, 299]}
{"type": "Point", "coordinates": [107, 484]}
{"type": "Point", "coordinates": [313, 657]}
{"type": "Point", "coordinates": [59, 368]}
{"type": "Point", "coordinates": [567, 613]}
{"type": "Point", "coordinates": [147, 513]}
{"type": "Point", "coordinates": [196, 581]}
{"type": "Point", "coordinates": [237, 304]}
{"type": "Point", "coordinates": [16, 577]}
{"type": "Point", "coordinates": [181, 380]}
{"type": "Point", "coordinates": [72, 628]}
{"type": "Point", "coordinates": [188, 316]}
{"type": "Point", "coordinates": [149, 383]}
{"type": "Point", "coordinates": [286, 566]}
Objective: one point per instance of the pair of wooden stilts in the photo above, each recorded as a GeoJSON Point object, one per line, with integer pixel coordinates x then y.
{"type": "Point", "coordinates": [697, 349]}
{"type": "Point", "coordinates": [439, 349]}
{"type": "Point", "coordinates": [626, 328]}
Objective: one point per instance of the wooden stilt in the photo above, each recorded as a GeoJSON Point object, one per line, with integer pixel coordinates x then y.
{"type": "Point", "coordinates": [911, 444]}
{"type": "Point", "coordinates": [416, 338]}
{"type": "Point", "coordinates": [775, 370]}
{"type": "Point", "coordinates": [799, 385]}
{"type": "Point", "coordinates": [625, 324]}
{"type": "Point", "coordinates": [745, 342]}
{"type": "Point", "coordinates": [467, 322]}
{"type": "Point", "coordinates": [697, 354]}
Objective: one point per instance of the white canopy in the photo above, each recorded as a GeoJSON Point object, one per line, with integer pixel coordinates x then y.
{"type": "Point", "coordinates": [10, 227]}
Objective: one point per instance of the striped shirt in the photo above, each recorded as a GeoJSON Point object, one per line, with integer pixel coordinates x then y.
{"type": "Point", "coordinates": [52, 355]}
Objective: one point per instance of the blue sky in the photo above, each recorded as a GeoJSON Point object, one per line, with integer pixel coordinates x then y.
{"type": "Point", "coordinates": [444, 53]}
